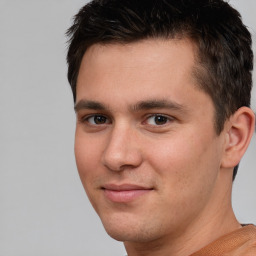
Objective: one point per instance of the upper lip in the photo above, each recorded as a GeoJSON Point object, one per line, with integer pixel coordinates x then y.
{"type": "Point", "coordinates": [125, 187]}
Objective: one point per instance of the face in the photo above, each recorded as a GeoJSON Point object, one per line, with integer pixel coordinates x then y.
{"type": "Point", "coordinates": [146, 149]}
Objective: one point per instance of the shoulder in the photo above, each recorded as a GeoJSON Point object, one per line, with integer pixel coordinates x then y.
{"type": "Point", "coordinates": [241, 242]}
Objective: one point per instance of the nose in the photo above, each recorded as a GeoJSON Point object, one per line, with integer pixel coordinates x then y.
{"type": "Point", "coordinates": [122, 150]}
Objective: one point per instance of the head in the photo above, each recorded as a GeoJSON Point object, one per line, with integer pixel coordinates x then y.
{"type": "Point", "coordinates": [224, 55]}
{"type": "Point", "coordinates": [160, 90]}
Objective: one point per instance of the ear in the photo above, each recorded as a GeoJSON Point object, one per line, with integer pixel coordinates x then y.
{"type": "Point", "coordinates": [238, 131]}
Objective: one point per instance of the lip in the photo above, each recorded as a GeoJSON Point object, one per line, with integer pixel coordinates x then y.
{"type": "Point", "coordinates": [124, 193]}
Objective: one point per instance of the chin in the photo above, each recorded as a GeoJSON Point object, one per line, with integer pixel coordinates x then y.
{"type": "Point", "coordinates": [130, 235]}
{"type": "Point", "coordinates": [133, 230]}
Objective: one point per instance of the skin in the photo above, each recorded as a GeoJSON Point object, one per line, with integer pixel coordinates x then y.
{"type": "Point", "coordinates": [157, 183]}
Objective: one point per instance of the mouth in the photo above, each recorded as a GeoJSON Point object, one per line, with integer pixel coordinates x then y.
{"type": "Point", "coordinates": [124, 193]}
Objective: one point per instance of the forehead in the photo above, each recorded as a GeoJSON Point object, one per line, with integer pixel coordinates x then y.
{"type": "Point", "coordinates": [141, 64]}
{"type": "Point", "coordinates": [144, 70]}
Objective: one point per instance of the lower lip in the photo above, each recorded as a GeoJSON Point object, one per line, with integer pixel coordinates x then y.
{"type": "Point", "coordinates": [124, 196]}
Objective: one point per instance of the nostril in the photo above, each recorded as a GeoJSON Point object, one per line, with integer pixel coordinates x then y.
{"type": "Point", "coordinates": [128, 159]}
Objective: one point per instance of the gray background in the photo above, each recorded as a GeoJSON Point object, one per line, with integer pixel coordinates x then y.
{"type": "Point", "coordinates": [43, 208]}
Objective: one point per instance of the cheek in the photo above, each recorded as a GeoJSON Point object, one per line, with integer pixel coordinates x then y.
{"type": "Point", "coordinates": [185, 163]}
{"type": "Point", "coordinates": [87, 154]}
{"type": "Point", "coordinates": [175, 154]}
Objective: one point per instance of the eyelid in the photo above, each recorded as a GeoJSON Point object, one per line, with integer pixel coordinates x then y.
{"type": "Point", "coordinates": [85, 118]}
{"type": "Point", "coordinates": [169, 118]}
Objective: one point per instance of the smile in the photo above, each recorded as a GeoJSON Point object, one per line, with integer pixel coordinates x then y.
{"type": "Point", "coordinates": [124, 193]}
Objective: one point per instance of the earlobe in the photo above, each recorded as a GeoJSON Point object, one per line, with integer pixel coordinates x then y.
{"type": "Point", "coordinates": [238, 134]}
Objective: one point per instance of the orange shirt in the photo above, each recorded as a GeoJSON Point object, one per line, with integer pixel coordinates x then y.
{"type": "Point", "coordinates": [241, 242]}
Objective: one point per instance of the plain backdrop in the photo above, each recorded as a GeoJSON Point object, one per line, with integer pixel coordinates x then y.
{"type": "Point", "coordinates": [43, 208]}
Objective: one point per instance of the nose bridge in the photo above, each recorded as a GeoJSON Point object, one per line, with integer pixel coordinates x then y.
{"type": "Point", "coordinates": [122, 149]}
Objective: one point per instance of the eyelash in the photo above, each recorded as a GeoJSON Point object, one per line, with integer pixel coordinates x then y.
{"type": "Point", "coordinates": [86, 119]}
{"type": "Point", "coordinates": [165, 119]}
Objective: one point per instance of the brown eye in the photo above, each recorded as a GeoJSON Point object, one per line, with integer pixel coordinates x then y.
{"type": "Point", "coordinates": [158, 120]}
{"type": "Point", "coordinates": [100, 119]}
{"type": "Point", "coordinates": [97, 120]}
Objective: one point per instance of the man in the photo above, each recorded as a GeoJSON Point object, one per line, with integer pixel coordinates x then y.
{"type": "Point", "coordinates": [162, 95]}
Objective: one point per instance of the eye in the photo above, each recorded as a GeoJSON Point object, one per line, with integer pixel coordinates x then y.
{"type": "Point", "coordinates": [97, 120]}
{"type": "Point", "coordinates": [158, 120]}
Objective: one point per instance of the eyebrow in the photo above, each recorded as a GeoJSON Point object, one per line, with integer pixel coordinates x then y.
{"type": "Point", "coordinates": [141, 105]}
{"type": "Point", "coordinates": [158, 104]}
{"type": "Point", "coordinates": [88, 104]}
